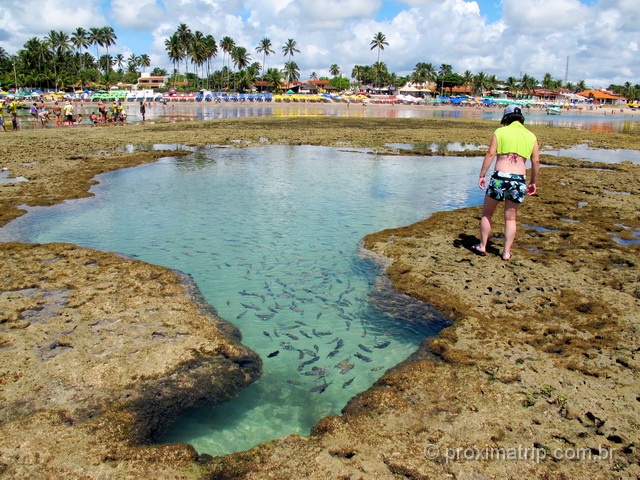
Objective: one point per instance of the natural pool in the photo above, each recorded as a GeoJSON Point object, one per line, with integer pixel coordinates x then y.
{"type": "Point", "coordinates": [271, 236]}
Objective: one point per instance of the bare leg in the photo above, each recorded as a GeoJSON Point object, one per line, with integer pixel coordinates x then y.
{"type": "Point", "coordinates": [510, 227]}
{"type": "Point", "coordinates": [488, 209]}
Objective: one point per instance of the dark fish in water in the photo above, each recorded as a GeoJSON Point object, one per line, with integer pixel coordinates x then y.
{"type": "Point", "coordinates": [284, 295]}
{"type": "Point", "coordinates": [339, 344]}
{"type": "Point", "coordinates": [363, 348]}
{"type": "Point", "coordinates": [375, 369]}
{"type": "Point", "coordinates": [346, 317]}
{"type": "Point", "coordinates": [337, 307]}
{"type": "Point", "coordinates": [321, 388]}
{"type": "Point", "coordinates": [289, 327]}
{"type": "Point", "coordinates": [309, 352]}
{"type": "Point", "coordinates": [250, 305]}
{"type": "Point", "coordinates": [333, 353]}
{"type": "Point", "coordinates": [300, 322]}
{"type": "Point", "coordinates": [348, 324]}
{"type": "Point", "coordinates": [266, 334]}
{"type": "Point", "coordinates": [294, 382]}
{"type": "Point", "coordinates": [292, 337]}
{"type": "Point", "coordinates": [286, 346]}
{"type": "Point", "coordinates": [316, 348]}
{"type": "Point", "coordinates": [318, 315]}
{"type": "Point", "coordinates": [318, 371]}
{"type": "Point", "coordinates": [348, 382]}
{"type": "Point", "coordinates": [300, 355]}
{"type": "Point", "coordinates": [308, 362]}
{"type": "Point", "coordinates": [334, 340]}
{"type": "Point", "coordinates": [322, 299]}
{"type": "Point", "coordinates": [305, 334]}
{"type": "Point", "coordinates": [241, 315]}
{"type": "Point", "coordinates": [362, 357]}
{"type": "Point", "coordinates": [382, 345]}
{"type": "Point", "coordinates": [265, 317]}
{"type": "Point", "coordinates": [275, 332]}
{"type": "Point", "coordinates": [295, 309]}
{"type": "Point", "coordinates": [320, 334]}
{"type": "Point", "coordinates": [273, 354]}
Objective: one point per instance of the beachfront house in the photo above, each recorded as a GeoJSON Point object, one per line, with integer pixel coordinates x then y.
{"type": "Point", "coordinates": [603, 97]}
{"type": "Point", "coordinates": [147, 81]}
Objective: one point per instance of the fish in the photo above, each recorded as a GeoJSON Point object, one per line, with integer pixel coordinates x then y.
{"type": "Point", "coordinates": [345, 368]}
{"type": "Point", "coordinates": [289, 327]}
{"type": "Point", "coordinates": [316, 348]}
{"type": "Point", "coordinates": [241, 315]}
{"type": "Point", "coordinates": [301, 354]}
{"type": "Point", "coordinates": [292, 337]}
{"type": "Point", "coordinates": [333, 353]}
{"type": "Point", "coordinates": [382, 345]}
{"type": "Point", "coordinates": [286, 346]}
{"type": "Point", "coordinates": [275, 332]}
{"type": "Point", "coordinates": [294, 382]}
{"type": "Point", "coordinates": [300, 322]}
{"type": "Point", "coordinates": [308, 362]}
{"type": "Point", "coordinates": [305, 334]}
{"type": "Point", "coordinates": [348, 324]}
{"type": "Point", "coordinates": [295, 309]}
{"type": "Point", "coordinates": [321, 388]}
{"type": "Point", "coordinates": [318, 315]}
{"type": "Point", "coordinates": [320, 334]}
{"type": "Point", "coordinates": [375, 369]}
{"type": "Point", "coordinates": [345, 316]}
{"type": "Point", "coordinates": [318, 371]}
{"type": "Point", "coordinates": [339, 344]}
{"type": "Point", "coordinates": [364, 348]}
{"type": "Point", "coordinates": [362, 357]}
{"type": "Point", "coordinates": [265, 317]}
{"type": "Point", "coordinates": [348, 382]}
{"type": "Point", "coordinates": [274, 354]}
{"type": "Point", "coordinates": [250, 305]}
{"type": "Point", "coordinates": [266, 334]}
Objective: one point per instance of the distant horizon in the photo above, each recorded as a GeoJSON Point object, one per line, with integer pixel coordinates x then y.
{"type": "Point", "coordinates": [495, 37]}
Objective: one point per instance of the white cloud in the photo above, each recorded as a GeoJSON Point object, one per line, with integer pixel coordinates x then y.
{"type": "Point", "coordinates": [543, 16]}
{"type": "Point", "coordinates": [138, 15]}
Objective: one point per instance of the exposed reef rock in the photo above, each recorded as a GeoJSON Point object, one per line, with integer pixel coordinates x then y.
{"type": "Point", "coordinates": [98, 353]}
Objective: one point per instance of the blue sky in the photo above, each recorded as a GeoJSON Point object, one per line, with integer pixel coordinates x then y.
{"type": "Point", "coordinates": [499, 37]}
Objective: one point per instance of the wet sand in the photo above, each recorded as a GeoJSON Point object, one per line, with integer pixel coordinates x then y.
{"type": "Point", "coordinates": [542, 354]}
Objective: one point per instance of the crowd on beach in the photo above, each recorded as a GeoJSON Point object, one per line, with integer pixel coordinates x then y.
{"type": "Point", "coordinates": [64, 115]}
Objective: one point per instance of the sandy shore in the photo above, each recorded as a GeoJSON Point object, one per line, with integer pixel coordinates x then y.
{"type": "Point", "coordinates": [542, 357]}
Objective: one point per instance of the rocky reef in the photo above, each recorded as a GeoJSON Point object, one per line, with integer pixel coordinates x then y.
{"type": "Point", "coordinates": [98, 354]}
{"type": "Point", "coordinates": [536, 378]}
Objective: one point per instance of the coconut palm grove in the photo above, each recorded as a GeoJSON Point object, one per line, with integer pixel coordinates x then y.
{"type": "Point", "coordinates": [81, 59]}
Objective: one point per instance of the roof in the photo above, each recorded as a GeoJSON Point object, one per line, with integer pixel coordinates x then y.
{"type": "Point", "coordinates": [601, 95]}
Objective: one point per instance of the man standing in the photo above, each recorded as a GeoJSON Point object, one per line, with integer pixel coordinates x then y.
{"type": "Point", "coordinates": [68, 114]}
{"type": "Point", "coordinates": [143, 110]}
{"type": "Point", "coordinates": [13, 111]}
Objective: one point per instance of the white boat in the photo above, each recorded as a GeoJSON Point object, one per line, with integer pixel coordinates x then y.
{"type": "Point", "coordinates": [553, 111]}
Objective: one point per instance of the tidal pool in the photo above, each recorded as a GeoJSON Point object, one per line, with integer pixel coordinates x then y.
{"type": "Point", "coordinates": [271, 235]}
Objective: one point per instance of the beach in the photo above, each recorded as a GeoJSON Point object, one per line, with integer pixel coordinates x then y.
{"type": "Point", "coordinates": [538, 371]}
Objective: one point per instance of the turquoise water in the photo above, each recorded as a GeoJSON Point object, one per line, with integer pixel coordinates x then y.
{"type": "Point", "coordinates": [271, 236]}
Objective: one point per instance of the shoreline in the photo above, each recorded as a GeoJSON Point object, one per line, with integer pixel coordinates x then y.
{"type": "Point", "coordinates": [485, 359]}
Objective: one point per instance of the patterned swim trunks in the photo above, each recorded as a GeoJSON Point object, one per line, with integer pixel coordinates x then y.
{"type": "Point", "coordinates": [507, 186]}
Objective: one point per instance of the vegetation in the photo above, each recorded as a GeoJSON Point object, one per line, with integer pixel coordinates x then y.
{"type": "Point", "coordinates": [62, 60]}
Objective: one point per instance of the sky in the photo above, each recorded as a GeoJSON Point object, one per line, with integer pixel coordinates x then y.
{"type": "Point", "coordinates": [599, 38]}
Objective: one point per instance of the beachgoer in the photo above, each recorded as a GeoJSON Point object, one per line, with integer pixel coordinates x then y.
{"type": "Point", "coordinates": [79, 119]}
{"type": "Point", "coordinates": [34, 114]}
{"type": "Point", "coordinates": [513, 145]}
{"type": "Point", "coordinates": [13, 111]}
{"type": "Point", "coordinates": [2, 119]}
{"type": "Point", "coordinates": [57, 111]}
{"type": "Point", "coordinates": [43, 115]}
{"type": "Point", "coordinates": [68, 114]}
{"type": "Point", "coordinates": [93, 119]}
{"type": "Point", "coordinates": [122, 116]}
{"type": "Point", "coordinates": [143, 110]}
{"type": "Point", "coordinates": [103, 112]}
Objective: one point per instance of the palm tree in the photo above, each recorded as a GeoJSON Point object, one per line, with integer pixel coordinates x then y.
{"type": "Point", "coordinates": [227, 45]}
{"type": "Point", "coordinates": [211, 51]}
{"type": "Point", "coordinates": [145, 61]}
{"type": "Point", "coordinates": [241, 58]}
{"type": "Point", "coordinates": [108, 38]}
{"type": "Point", "coordinates": [291, 71]}
{"type": "Point", "coordinates": [480, 82]}
{"type": "Point", "coordinates": [468, 78]}
{"type": "Point", "coordinates": [95, 38]}
{"type": "Point", "coordinates": [264, 47]}
{"type": "Point", "coordinates": [59, 43]}
{"type": "Point", "coordinates": [132, 62]}
{"type": "Point", "coordinates": [289, 48]}
{"type": "Point", "coordinates": [547, 82]}
{"type": "Point", "coordinates": [379, 41]}
{"type": "Point", "coordinates": [80, 40]}
{"type": "Point", "coordinates": [273, 77]}
{"type": "Point", "coordinates": [512, 85]}
{"type": "Point", "coordinates": [581, 86]}
{"type": "Point", "coordinates": [197, 50]}
{"type": "Point", "coordinates": [184, 34]}
{"type": "Point", "coordinates": [334, 70]}
{"type": "Point", "coordinates": [174, 50]}
{"type": "Point", "coordinates": [119, 60]}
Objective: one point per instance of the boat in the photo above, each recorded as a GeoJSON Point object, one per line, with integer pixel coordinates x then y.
{"type": "Point", "coordinates": [554, 111]}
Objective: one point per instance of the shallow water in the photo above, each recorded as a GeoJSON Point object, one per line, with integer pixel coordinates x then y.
{"type": "Point", "coordinates": [584, 152]}
{"type": "Point", "coordinates": [271, 236]}
{"type": "Point", "coordinates": [179, 112]}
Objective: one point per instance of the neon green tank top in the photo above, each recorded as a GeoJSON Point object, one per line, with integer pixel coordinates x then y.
{"type": "Point", "coordinates": [515, 138]}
